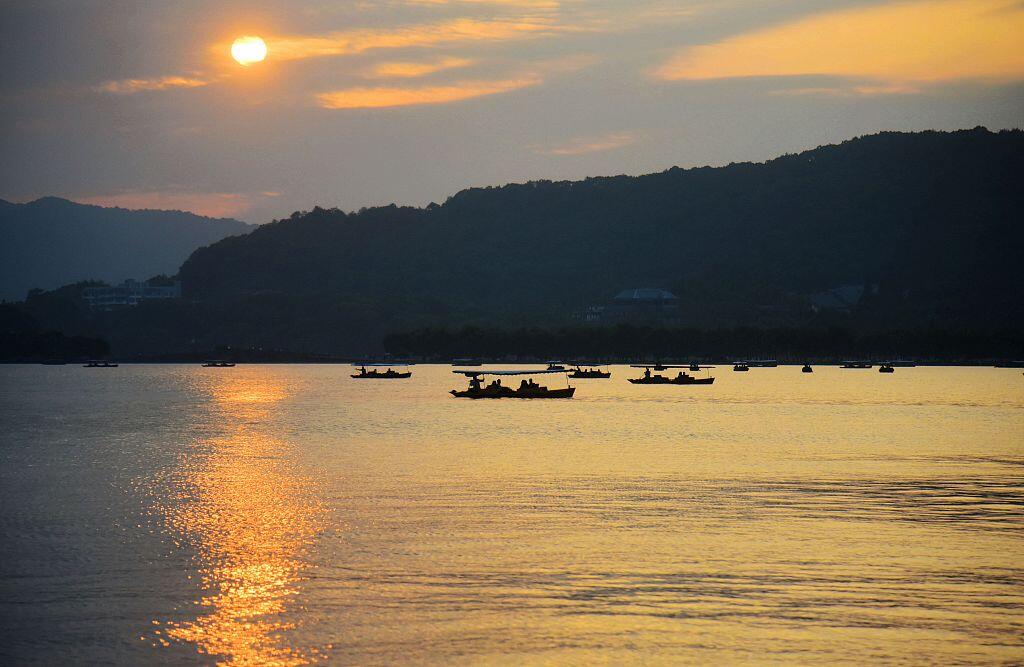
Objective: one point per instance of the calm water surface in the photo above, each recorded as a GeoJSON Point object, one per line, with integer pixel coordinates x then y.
{"type": "Point", "coordinates": [291, 515]}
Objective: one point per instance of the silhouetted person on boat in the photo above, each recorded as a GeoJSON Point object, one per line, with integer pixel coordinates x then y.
{"type": "Point", "coordinates": [647, 373]}
{"type": "Point", "coordinates": [523, 385]}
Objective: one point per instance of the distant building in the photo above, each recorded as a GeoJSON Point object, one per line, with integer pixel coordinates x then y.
{"type": "Point", "coordinates": [129, 293]}
{"type": "Point", "coordinates": [642, 305]}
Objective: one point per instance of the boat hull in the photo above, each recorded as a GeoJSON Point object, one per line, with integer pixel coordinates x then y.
{"type": "Point", "coordinates": [506, 392]}
{"type": "Point", "coordinates": [383, 376]}
{"type": "Point", "coordinates": [590, 376]}
{"type": "Point", "coordinates": [658, 379]}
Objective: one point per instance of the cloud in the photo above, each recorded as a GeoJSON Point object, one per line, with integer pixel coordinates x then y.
{"type": "Point", "coordinates": [896, 46]}
{"type": "Point", "coordinates": [585, 145]}
{"type": "Point", "coordinates": [213, 204]}
{"type": "Point", "coordinates": [456, 31]}
{"type": "Point", "coordinates": [850, 91]}
{"type": "Point", "coordinates": [408, 70]}
{"type": "Point", "coordinates": [130, 86]}
{"type": "Point", "coordinates": [382, 97]}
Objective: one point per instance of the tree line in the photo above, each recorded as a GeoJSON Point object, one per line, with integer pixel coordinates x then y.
{"type": "Point", "coordinates": [627, 342]}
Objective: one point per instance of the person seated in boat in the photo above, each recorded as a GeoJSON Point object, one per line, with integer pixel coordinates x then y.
{"type": "Point", "coordinates": [362, 370]}
{"type": "Point", "coordinates": [474, 382]}
{"type": "Point", "coordinates": [680, 375]}
{"type": "Point", "coordinates": [647, 373]}
{"type": "Point", "coordinates": [524, 385]}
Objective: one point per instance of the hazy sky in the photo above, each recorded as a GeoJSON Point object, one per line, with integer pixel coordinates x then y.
{"type": "Point", "coordinates": [140, 103]}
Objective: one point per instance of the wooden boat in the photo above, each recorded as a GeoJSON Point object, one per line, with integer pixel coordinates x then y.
{"type": "Point", "coordinates": [374, 374]}
{"type": "Point", "coordinates": [741, 368]}
{"type": "Point", "coordinates": [589, 373]}
{"type": "Point", "coordinates": [807, 369]}
{"type": "Point", "coordinates": [681, 378]}
{"type": "Point", "coordinates": [886, 368]}
{"type": "Point", "coordinates": [556, 366]}
{"type": "Point", "coordinates": [215, 363]}
{"type": "Point", "coordinates": [100, 364]}
{"type": "Point", "coordinates": [526, 389]}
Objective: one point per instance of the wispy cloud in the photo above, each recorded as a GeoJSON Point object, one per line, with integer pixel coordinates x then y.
{"type": "Point", "coordinates": [892, 46]}
{"type": "Point", "coordinates": [377, 97]}
{"type": "Point", "coordinates": [411, 69]}
{"type": "Point", "coordinates": [849, 91]}
{"type": "Point", "coordinates": [594, 144]}
{"type": "Point", "coordinates": [456, 31]}
{"type": "Point", "coordinates": [382, 97]}
{"type": "Point", "coordinates": [213, 204]}
{"type": "Point", "coordinates": [130, 86]}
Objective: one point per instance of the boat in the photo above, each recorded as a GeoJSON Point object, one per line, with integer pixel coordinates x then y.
{"type": "Point", "coordinates": [694, 366]}
{"type": "Point", "coordinates": [681, 378]}
{"type": "Point", "coordinates": [741, 367]}
{"type": "Point", "coordinates": [807, 369]}
{"type": "Point", "coordinates": [527, 387]}
{"type": "Point", "coordinates": [556, 366]}
{"type": "Point", "coordinates": [99, 364]}
{"type": "Point", "coordinates": [374, 374]}
{"type": "Point", "coordinates": [886, 368]}
{"type": "Point", "coordinates": [856, 364]}
{"type": "Point", "coordinates": [591, 372]}
{"type": "Point", "coordinates": [218, 363]}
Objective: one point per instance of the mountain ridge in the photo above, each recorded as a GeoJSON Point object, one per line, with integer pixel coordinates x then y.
{"type": "Point", "coordinates": [52, 241]}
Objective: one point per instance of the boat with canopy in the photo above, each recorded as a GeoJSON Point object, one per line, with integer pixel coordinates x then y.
{"type": "Point", "coordinates": [371, 372]}
{"type": "Point", "coordinates": [682, 377]}
{"type": "Point", "coordinates": [589, 371]}
{"type": "Point", "coordinates": [527, 387]}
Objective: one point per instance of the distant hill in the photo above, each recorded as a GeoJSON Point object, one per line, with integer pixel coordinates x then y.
{"type": "Point", "coordinates": [51, 242]}
{"type": "Point", "coordinates": [931, 222]}
{"type": "Point", "coordinates": [919, 232]}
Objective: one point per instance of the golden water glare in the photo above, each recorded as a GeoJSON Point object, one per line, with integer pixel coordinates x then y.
{"type": "Point", "coordinates": [250, 517]}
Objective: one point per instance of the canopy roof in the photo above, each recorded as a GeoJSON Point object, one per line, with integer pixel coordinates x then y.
{"type": "Point", "coordinates": [383, 364]}
{"type": "Point", "coordinates": [470, 373]}
{"type": "Point", "coordinates": [659, 367]}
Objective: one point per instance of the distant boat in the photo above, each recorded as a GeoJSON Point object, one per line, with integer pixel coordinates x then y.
{"type": "Point", "coordinates": [100, 364]}
{"type": "Point", "coordinates": [741, 368]}
{"type": "Point", "coordinates": [215, 363]}
{"type": "Point", "coordinates": [695, 367]}
{"type": "Point", "coordinates": [857, 364]}
{"type": "Point", "coordinates": [762, 363]}
{"type": "Point", "coordinates": [556, 366]}
{"type": "Point", "coordinates": [374, 374]}
{"type": "Point", "coordinates": [886, 368]}
{"type": "Point", "coordinates": [527, 387]}
{"type": "Point", "coordinates": [680, 378]}
{"type": "Point", "coordinates": [589, 373]}
{"type": "Point", "coordinates": [807, 369]}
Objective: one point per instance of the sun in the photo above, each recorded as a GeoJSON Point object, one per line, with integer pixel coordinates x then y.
{"type": "Point", "coordinates": [248, 49]}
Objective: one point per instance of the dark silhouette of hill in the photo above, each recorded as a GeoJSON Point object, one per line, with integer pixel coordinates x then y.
{"type": "Point", "coordinates": [52, 242]}
{"type": "Point", "coordinates": [928, 223]}
{"type": "Point", "coordinates": [931, 221]}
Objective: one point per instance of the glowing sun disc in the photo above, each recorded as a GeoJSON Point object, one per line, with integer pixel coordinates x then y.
{"type": "Point", "coordinates": [248, 50]}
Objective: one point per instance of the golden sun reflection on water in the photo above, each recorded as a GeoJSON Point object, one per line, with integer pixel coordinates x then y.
{"type": "Point", "coordinates": [250, 517]}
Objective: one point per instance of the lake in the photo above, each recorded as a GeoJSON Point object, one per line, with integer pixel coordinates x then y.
{"type": "Point", "coordinates": [287, 514]}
